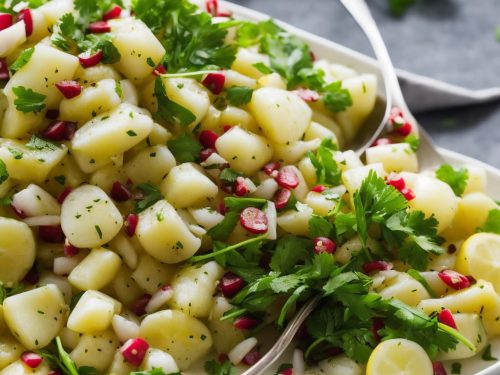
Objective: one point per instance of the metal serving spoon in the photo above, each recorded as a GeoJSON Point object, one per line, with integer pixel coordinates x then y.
{"type": "Point", "coordinates": [428, 155]}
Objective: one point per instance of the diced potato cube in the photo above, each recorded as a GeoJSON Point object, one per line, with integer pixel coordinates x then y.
{"type": "Point", "coordinates": [233, 78]}
{"type": "Point", "coordinates": [296, 222]}
{"type": "Point", "coordinates": [11, 38]}
{"type": "Point", "coordinates": [320, 203]}
{"type": "Point", "coordinates": [225, 335]}
{"type": "Point", "coordinates": [119, 366]}
{"type": "Point", "coordinates": [353, 178]}
{"type": "Point", "coordinates": [10, 350]}
{"type": "Point", "coordinates": [318, 131]}
{"type": "Point", "coordinates": [340, 365]}
{"type": "Point", "coordinates": [34, 201]}
{"type": "Point", "coordinates": [20, 368]}
{"type": "Point", "coordinates": [395, 157]}
{"type": "Point", "coordinates": [292, 153]}
{"type": "Point", "coordinates": [491, 319]}
{"type": "Point", "coordinates": [151, 275]}
{"type": "Point", "coordinates": [235, 116]}
{"type": "Point", "coordinates": [245, 61]}
{"type": "Point", "coordinates": [94, 74]}
{"type": "Point", "coordinates": [124, 288]}
{"type": "Point", "coordinates": [35, 317]}
{"type": "Point", "coordinates": [469, 326]}
{"type": "Point", "coordinates": [476, 182]}
{"type": "Point", "coordinates": [272, 80]}
{"type": "Point", "coordinates": [95, 350]}
{"type": "Point", "coordinates": [405, 288]}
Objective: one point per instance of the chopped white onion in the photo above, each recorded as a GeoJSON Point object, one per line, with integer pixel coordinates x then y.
{"type": "Point", "coordinates": [64, 265]}
{"type": "Point", "coordinates": [298, 362]}
{"type": "Point", "coordinates": [239, 352]}
{"type": "Point", "coordinates": [206, 217]}
{"type": "Point", "coordinates": [197, 230]}
{"type": "Point", "coordinates": [266, 189]}
{"type": "Point", "coordinates": [272, 219]}
{"type": "Point", "coordinates": [125, 329]}
{"type": "Point", "coordinates": [124, 247]}
{"type": "Point", "coordinates": [45, 220]}
{"type": "Point", "coordinates": [160, 298]}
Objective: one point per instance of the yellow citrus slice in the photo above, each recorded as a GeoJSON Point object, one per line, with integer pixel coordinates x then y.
{"type": "Point", "coordinates": [479, 257]}
{"type": "Point", "coordinates": [399, 357]}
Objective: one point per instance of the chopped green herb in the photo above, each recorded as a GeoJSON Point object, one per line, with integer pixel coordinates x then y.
{"type": "Point", "coordinates": [4, 174]}
{"type": "Point", "coordinates": [486, 356]}
{"type": "Point", "coordinates": [239, 95]}
{"type": "Point", "coordinates": [18, 155]}
{"type": "Point", "coordinates": [169, 110]}
{"type": "Point", "coordinates": [37, 143]}
{"type": "Point", "coordinates": [413, 141]}
{"type": "Point", "coordinates": [455, 177]}
{"type": "Point", "coordinates": [217, 368]}
{"type": "Point", "coordinates": [118, 89]}
{"type": "Point", "coordinates": [336, 98]}
{"type": "Point", "coordinates": [98, 230]}
{"type": "Point", "coordinates": [492, 223]}
{"type": "Point", "coordinates": [60, 179]}
{"type": "Point", "coordinates": [131, 133]}
{"type": "Point", "coordinates": [327, 170]}
{"type": "Point", "coordinates": [28, 100]}
{"type": "Point", "coordinates": [185, 148]}
{"type": "Point", "coordinates": [456, 368]}
{"type": "Point", "coordinates": [151, 195]}
{"type": "Point", "coordinates": [22, 60]}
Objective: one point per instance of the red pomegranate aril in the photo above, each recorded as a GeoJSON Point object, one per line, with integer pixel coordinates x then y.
{"type": "Point", "coordinates": [446, 317]}
{"type": "Point", "coordinates": [51, 233]}
{"type": "Point", "coordinates": [307, 95]}
{"type": "Point", "coordinates": [6, 20]}
{"type": "Point", "coordinates": [70, 250]}
{"type": "Point", "coordinates": [438, 368]}
{"type": "Point", "coordinates": [134, 350]}
{"type": "Point", "coordinates": [230, 284]}
{"type": "Point", "coordinates": [318, 188]}
{"type": "Point", "coordinates": [454, 279]}
{"type": "Point", "coordinates": [214, 82]}
{"type": "Point", "coordinates": [99, 27]}
{"type": "Point", "coordinates": [70, 130]}
{"type": "Point", "coordinates": [139, 305]}
{"type": "Point", "coordinates": [222, 358]}
{"type": "Point", "coordinates": [31, 359]}
{"type": "Point", "coordinates": [269, 168]}
{"type": "Point", "coordinates": [212, 7]}
{"type": "Point", "coordinates": [240, 187]}
{"type": "Point", "coordinates": [4, 69]}
{"type": "Point", "coordinates": [287, 371]}
{"type": "Point", "coordinates": [160, 69]}
{"type": "Point", "coordinates": [25, 15]}
{"type": "Point", "coordinates": [221, 208]}
{"type": "Point", "coordinates": [206, 153]}
{"type": "Point", "coordinates": [87, 60]}
{"type": "Point", "coordinates": [20, 213]}
{"type": "Point", "coordinates": [69, 89]}
{"type": "Point", "coordinates": [245, 323]}
{"type": "Point", "coordinates": [377, 325]}
{"type": "Point", "coordinates": [405, 129]}
{"type": "Point", "coordinates": [61, 197]}
{"type": "Point", "coordinates": [120, 192]}
{"type": "Point", "coordinates": [452, 249]}
{"type": "Point", "coordinates": [52, 114]}
{"type": "Point", "coordinates": [381, 142]}
{"type": "Point", "coordinates": [208, 138]}
{"type": "Point", "coordinates": [253, 220]}
{"type": "Point", "coordinates": [224, 13]}
{"type": "Point", "coordinates": [281, 198]}
{"type": "Point", "coordinates": [408, 194]}
{"type": "Point", "coordinates": [60, 131]}
{"type": "Point", "coordinates": [377, 265]}
{"type": "Point", "coordinates": [252, 357]}
{"type": "Point", "coordinates": [287, 178]}
{"type": "Point", "coordinates": [226, 128]}
{"type": "Point", "coordinates": [114, 12]}
{"type": "Point", "coordinates": [398, 182]}
{"type": "Point", "coordinates": [324, 245]}
{"type": "Point", "coordinates": [131, 222]}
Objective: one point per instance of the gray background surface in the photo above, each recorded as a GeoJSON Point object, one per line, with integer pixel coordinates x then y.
{"type": "Point", "coordinates": [450, 40]}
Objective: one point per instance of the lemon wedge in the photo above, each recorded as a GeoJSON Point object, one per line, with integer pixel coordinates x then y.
{"type": "Point", "coordinates": [479, 257]}
{"type": "Point", "coordinates": [399, 357]}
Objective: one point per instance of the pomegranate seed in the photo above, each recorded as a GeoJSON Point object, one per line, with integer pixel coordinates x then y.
{"type": "Point", "coordinates": [252, 357]}
{"type": "Point", "coordinates": [31, 359]}
{"type": "Point", "coordinates": [208, 138]}
{"type": "Point", "coordinates": [51, 233]}
{"type": "Point", "coordinates": [160, 69]}
{"type": "Point", "coordinates": [52, 114]}
{"type": "Point", "coordinates": [281, 198]}
{"type": "Point", "coordinates": [206, 153]}
{"type": "Point", "coordinates": [226, 128]}
{"type": "Point", "coordinates": [131, 224]}
{"type": "Point", "coordinates": [230, 284]}
{"type": "Point", "coordinates": [438, 368]}
{"type": "Point", "coordinates": [245, 323]}
{"type": "Point", "coordinates": [318, 188]}
{"type": "Point", "coordinates": [269, 168]}
{"type": "Point", "coordinates": [381, 142]}
{"type": "Point", "coordinates": [287, 371]}
{"type": "Point", "coordinates": [396, 117]}
{"type": "Point", "coordinates": [69, 249]}
{"type": "Point", "coordinates": [324, 245]}
{"type": "Point", "coordinates": [120, 192]}
{"type": "Point", "coordinates": [64, 194]}
{"type": "Point", "coordinates": [115, 12]}
{"type": "Point", "coordinates": [87, 60]}
{"type": "Point", "coordinates": [452, 249]}
{"type": "Point", "coordinates": [4, 69]}
{"type": "Point", "coordinates": [378, 265]}
{"type": "Point", "coordinates": [60, 131]}
{"type": "Point", "coordinates": [212, 7]}
{"type": "Point", "coordinates": [25, 15]}
{"type": "Point", "coordinates": [5, 21]}
{"type": "Point", "coordinates": [222, 358]}
{"type": "Point", "coordinates": [287, 178]}
{"type": "Point", "coordinates": [446, 317]}
{"type": "Point", "coordinates": [240, 187]}
{"type": "Point", "coordinates": [377, 324]}
{"type": "Point", "coordinates": [99, 27]}
{"type": "Point", "coordinates": [221, 208]}
{"type": "Point", "coordinates": [253, 220]}
{"type": "Point", "coordinates": [134, 350]}
{"type": "Point", "coordinates": [404, 129]}
{"type": "Point", "coordinates": [20, 213]}
{"type": "Point", "coordinates": [32, 277]}
{"type": "Point", "coordinates": [139, 305]}
{"type": "Point", "coordinates": [227, 189]}
{"type": "Point", "coordinates": [396, 181]}
{"type": "Point", "coordinates": [307, 95]}
{"type": "Point", "coordinates": [69, 89]}
{"type": "Point", "coordinates": [408, 194]}
{"type": "Point", "coordinates": [454, 279]}
{"type": "Point", "coordinates": [214, 82]}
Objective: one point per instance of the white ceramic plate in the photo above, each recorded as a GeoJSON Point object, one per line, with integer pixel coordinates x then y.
{"type": "Point", "coordinates": [337, 53]}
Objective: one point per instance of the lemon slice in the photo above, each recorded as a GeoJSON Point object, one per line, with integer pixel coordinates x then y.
{"type": "Point", "coordinates": [479, 257]}
{"type": "Point", "coordinates": [399, 357]}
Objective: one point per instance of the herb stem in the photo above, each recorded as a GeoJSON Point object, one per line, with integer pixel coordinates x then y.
{"type": "Point", "coordinates": [201, 258]}
{"type": "Point", "coordinates": [453, 332]}
{"type": "Point", "coordinates": [188, 74]}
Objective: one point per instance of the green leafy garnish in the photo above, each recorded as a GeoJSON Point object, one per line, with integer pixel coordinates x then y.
{"type": "Point", "coordinates": [37, 143]}
{"type": "Point", "coordinates": [10, 291]}
{"type": "Point", "coordinates": [185, 148]}
{"type": "Point", "coordinates": [486, 356]}
{"type": "Point", "coordinates": [327, 170]}
{"type": "Point", "coordinates": [336, 98]}
{"type": "Point", "coordinates": [228, 176]}
{"type": "Point", "coordinates": [216, 368]}
{"type": "Point", "coordinates": [239, 95]}
{"type": "Point", "coordinates": [455, 177]}
{"type": "Point", "coordinates": [4, 174]}
{"type": "Point", "coordinates": [169, 110]}
{"type": "Point", "coordinates": [417, 276]}
{"type": "Point", "coordinates": [413, 141]}
{"type": "Point", "coordinates": [492, 223]}
{"type": "Point", "coordinates": [151, 195]}
{"type": "Point", "coordinates": [22, 60]}
{"type": "Point", "coordinates": [456, 368]}
{"type": "Point", "coordinates": [18, 155]}
{"type": "Point", "coordinates": [28, 100]}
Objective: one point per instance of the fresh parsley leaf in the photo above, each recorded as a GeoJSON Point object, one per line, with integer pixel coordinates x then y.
{"type": "Point", "coordinates": [491, 225]}
{"type": "Point", "coordinates": [239, 204]}
{"type": "Point", "coordinates": [93, 10]}
{"type": "Point", "coordinates": [486, 356]}
{"type": "Point", "coordinates": [239, 95]}
{"type": "Point", "coordinates": [169, 110]}
{"type": "Point", "coordinates": [456, 368]}
{"type": "Point", "coordinates": [319, 226]}
{"type": "Point", "coordinates": [223, 230]}
{"type": "Point", "coordinates": [413, 141]}
{"type": "Point", "coordinates": [5, 201]}
{"type": "Point", "coordinates": [68, 365]}
{"type": "Point", "coordinates": [185, 148]}
{"type": "Point", "coordinates": [4, 174]}
{"type": "Point", "coordinates": [228, 176]}
{"type": "Point", "coordinates": [22, 60]}
{"type": "Point", "coordinates": [216, 368]}
{"type": "Point", "coordinates": [455, 177]}
{"type": "Point", "coordinates": [28, 100]}
{"type": "Point", "coordinates": [327, 170]}
{"type": "Point", "coordinates": [151, 195]}
{"type": "Point", "coordinates": [290, 251]}
{"type": "Point", "coordinates": [37, 143]}
{"type": "Point", "coordinates": [417, 276]}
{"type": "Point", "coordinates": [67, 33]}
{"type": "Point", "coordinates": [336, 98]}
{"type": "Point", "coordinates": [263, 68]}
{"type": "Point", "coordinates": [18, 155]}
{"type": "Point", "coordinates": [10, 291]}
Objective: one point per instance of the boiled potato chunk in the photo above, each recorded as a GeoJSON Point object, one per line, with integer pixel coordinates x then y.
{"type": "Point", "coordinates": [95, 350]}
{"type": "Point", "coordinates": [476, 182]}
{"type": "Point", "coordinates": [93, 312]}
{"type": "Point", "coordinates": [193, 289]}
{"type": "Point", "coordinates": [34, 201]}
{"type": "Point", "coordinates": [17, 250]}
{"type": "Point", "coordinates": [94, 74]}
{"type": "Point", "coordinates": [225, 335]}
{"type": "Point", "coordinates": [353, 178]}
{"type": "Point", "coordinates": [96, 270]}
{"type": "Point", "coordinates": [10, 350]}
{"type": "Point", "coordinates": [35, 317]}
{"type": "Point", "coordinates": [150, 165]}
{"type": "Point", "coordinates": [432, 196]}
{"type": "Point", "coordinates": [137, 45]}
{"type": "Point", "coordinates": [110, 134]}
{"type": "Point", "coordinates": [186, 185]}
{"type": "Point", "coordinates": [19, 368]}
{"type": "Point", "coordinates": [395, 157]}
{"type": "Point", "coordinates": [185, 338]}
{"type": "Point", "coordinates": [119, 366]}
{"type": "Point", "coordinates": [158, 359]}
{"type": "Point", "coordinates": [245, 151]}
{"type": "Point", "coordinates": [245, 60]}
{"type": "Point", "coordinates": [340, 365]}
{"type": "Point", "coordinates": [151, 274]}
{"type": "Point", "coordinates": [45, 68]}
{"type": "Point", "coordinates": [469, 326]}
{"type": "Point", "coordinates": [89, 218]}
{"type": "Point", "coordinates": [11, 38]}
{"type": "Point", "coordinates": [491, 319]}
{"type": "Point", "coordinates": [281, 114]}
{"type": "Point", "coordinates": [296, 222]}
{"type": "Point", "coordinates": [405, 288]}
{"type": "Point", "coordinates": [164, 235]}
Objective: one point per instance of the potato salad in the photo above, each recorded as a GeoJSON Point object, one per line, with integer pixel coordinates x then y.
{"type": "Point", "coordinates": [175, 185]}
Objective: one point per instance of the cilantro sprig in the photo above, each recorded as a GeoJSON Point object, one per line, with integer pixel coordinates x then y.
{"type": "Point", "coordinates": [455, 177]}
{"type": "Point", "coordinates": [327, 170]}
{"type": "Point", "coordinates": [28, 100]}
